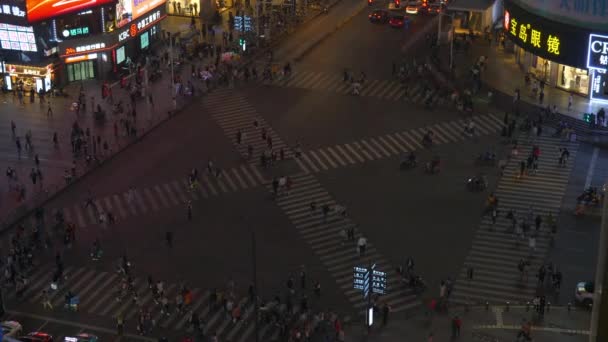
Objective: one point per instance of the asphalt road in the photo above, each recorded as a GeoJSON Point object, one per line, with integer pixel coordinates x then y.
{"type": "Point", "coordinates": [429, 217]}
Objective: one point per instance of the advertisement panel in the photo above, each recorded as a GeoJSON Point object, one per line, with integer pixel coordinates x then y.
{"type": "Point", "coordinates": [42, 9]}
{"type": "Point", "coordinates": [15, 37]}
{"type": "Point", "coordinates": [590, 14]}
{"type": "Point", "coordinates": [550, 40]}
{"type": "Point", "coordinates": [597, 54]}
{"type": "Point", "coordinates": [129, 10]}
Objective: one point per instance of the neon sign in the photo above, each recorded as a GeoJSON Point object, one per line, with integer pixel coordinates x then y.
{"type": "Point", "coordinates": [533, 36]}
{"type": "Point", "coordinates": [84, 48]}
{"type": "Point", "coordinates": [597, 53]}
{"type": "Point", "coordinates": [80, 31]}
{"type": "Point", "coordinates": [141, 25]}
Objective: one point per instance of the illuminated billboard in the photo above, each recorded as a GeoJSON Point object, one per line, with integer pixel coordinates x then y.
{"type": "Point", "coordinates": [42, 9]}
{"type": "Point", "coordinates": [128, 10]}
{"type": "Point", "coordinates": [15, 37]}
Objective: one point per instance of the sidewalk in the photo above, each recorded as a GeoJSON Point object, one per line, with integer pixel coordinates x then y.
{"type": "Point", "coordinates": [504, 75]}
{"type": "Point", "coordinates": [55, 161]}
{"type": "Point", "coordinates": [479, 324]}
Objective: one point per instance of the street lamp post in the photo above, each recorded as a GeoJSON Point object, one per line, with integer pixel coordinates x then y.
{"type": "Point", "coordinates": [255, 287]}
{"type": "Point", "coordinates": [600, 274]}
{"type": "Point", "coordinates": [451, 15]}
{"type": "Point", "coordinates": [173, 94]}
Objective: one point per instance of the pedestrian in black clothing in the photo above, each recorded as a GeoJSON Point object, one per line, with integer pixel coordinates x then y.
{"type": "Point", "coordinates": [169, 238]}
{"type": "Point", "coordinates": [189, 207]}
{"type": "Point", "coordinates": [386, 309]}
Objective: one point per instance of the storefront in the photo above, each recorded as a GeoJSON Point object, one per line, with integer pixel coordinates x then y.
{"type": "Point", "coordinates": [105, 56]}
{"type": "Point", "coordinates": [86, 58]}
{"type": "Point", "coordinates": [137, 38]}
{"type": "Point", "coordinates": [27, 77]}
{"type": "Point", "coordinates": [550, 51]}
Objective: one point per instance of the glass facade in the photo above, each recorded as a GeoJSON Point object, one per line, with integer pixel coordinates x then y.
{"type": "Point", "coordinates": [81, 71]}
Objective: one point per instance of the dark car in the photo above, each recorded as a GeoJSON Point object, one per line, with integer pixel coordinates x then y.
{"type": "Point", "coordinates": [432, 9]}
{"type": "Point", "coordinates": [397, 21]}
{"type": "Point", "coordinates": [378, 16]}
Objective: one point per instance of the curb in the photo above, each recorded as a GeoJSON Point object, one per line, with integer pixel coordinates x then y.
{"type": "Point", "coordinates": [328, 34]}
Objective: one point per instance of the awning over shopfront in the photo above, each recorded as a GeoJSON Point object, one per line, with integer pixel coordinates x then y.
{"type": "Point", "coordinates": [470, 5]}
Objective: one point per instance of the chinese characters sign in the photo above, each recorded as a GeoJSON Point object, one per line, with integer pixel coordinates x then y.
{"type": "Point", "coordinates": [597, 53]}
{"type": "Point", "coordinates": [84, 48]}
{"type": "Point", "coordinates": [143, 24]}
{"type": "Point", "coordinates": [548, 39]}
{"type": "Point", "coordinates": [79, 31]}
{"type": "Point", "coordinates": [533, 36]}
{"type": "Point", "coordinates": [20, 38]}
{"type": "Point", "coordinates": [366, 279]}
{"type": "Point", "coordinates": [14, 11]}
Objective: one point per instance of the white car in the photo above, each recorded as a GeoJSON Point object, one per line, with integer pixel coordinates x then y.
{"type": "Point", "coordinates": [11, 328]}
{"type": "Point", "coordinates": [412, 7]}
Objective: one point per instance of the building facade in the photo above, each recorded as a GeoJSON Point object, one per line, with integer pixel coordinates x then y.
{"type": "Point", "coordinates": [55, 42]}
{"type": "Point", "coordinates": [554, 39]}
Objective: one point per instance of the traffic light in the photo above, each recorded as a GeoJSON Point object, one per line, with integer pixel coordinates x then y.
{"type": "Point", "coordinates": [243, 43]}
{"type": "Point", "coordinates": [397, 3]}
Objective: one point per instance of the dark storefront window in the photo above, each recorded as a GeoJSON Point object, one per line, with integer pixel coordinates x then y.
{"type": "Point", "coordinates": [81, 71]}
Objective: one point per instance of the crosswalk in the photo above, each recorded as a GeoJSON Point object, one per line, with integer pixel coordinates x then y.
{"type": "Point", "coordinates": [390, 90]}
{"type": "Point", "coordinates": [338, 256]}
{"type": "Point", "coordinates": [166, 195]}
{"type": "Point", "coordinates": [232, 112]}
{"type": "Point", "coordinates": [388, 145]}
{"type": "Point", "coordinates": [496, 250]}
{"type": "Point", "coordinates": [98, 290]}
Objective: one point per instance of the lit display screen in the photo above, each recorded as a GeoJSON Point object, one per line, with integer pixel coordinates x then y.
{"type": "Point", "coordinates": [120, 55]}
{"type": "Point", "coordinates": [128, 10]}
{"type": "Point", "coordinates": [41, 9]}
{"type": "Point", "coordinates": [20, 38]}
{"type": "Point", "coordinates": [145, 40]}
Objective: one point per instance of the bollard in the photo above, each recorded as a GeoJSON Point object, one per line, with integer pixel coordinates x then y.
{"type": "Point", "coordinates": [527, 306]}
{"type": "Point", "coordinates": [569, 306]}
{"type": "Point", "coordinates": [487, 306]}
{"type": "Point", "coordinates": [548, 306]}
{"type": "Point", "coordinates": [507, 307]}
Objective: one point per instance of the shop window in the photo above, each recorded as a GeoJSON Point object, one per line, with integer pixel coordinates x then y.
{"type": "Point", "coordinates": [81, 71]}
{"type": "Point", "coordinates": [573, 79]}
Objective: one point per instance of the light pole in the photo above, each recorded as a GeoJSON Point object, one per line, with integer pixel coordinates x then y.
{"type": "Point", "coordinates": [255, 287]}
{"type": "Point", "coordinates": [451, 15]}
{"type": "Point", "coordinates": [173, 93]}
{"type": "Point", "coordinates": [600, 273]}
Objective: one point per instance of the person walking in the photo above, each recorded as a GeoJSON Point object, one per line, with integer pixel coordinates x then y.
{"type": "Point", "coordinates": [46, 302]}
{"type": "Point", "coordinates": [386, 309]}
{"type": "Point", "coordinates": [362, 244]}
{"type": "Point", "coordinates": [189, 208]}
{"type": "Point", "coordinates": [456, 325]}
{"type": "Point", "coordinates": [49, 111]}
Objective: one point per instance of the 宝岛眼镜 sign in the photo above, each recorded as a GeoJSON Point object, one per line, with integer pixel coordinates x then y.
{"type": "Point", "coordinates": [597, 53]}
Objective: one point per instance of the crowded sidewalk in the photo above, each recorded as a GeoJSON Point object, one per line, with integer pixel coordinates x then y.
{"type": "Point", "coordinates": [51, 141]}
{"type": "Point", "coordinates": [501, 74]}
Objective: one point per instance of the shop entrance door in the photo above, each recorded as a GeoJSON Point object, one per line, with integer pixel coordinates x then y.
{"type": "Point", "coordinates": [81, 71]}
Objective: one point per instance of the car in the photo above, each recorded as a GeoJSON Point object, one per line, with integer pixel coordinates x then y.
{"type": "Point", "coordinates": [11, 328]}
{"type": "Point", "coordinates": [432, 9]}
{"type": "Point", "coordinates": [412, 7]}
{"type": "Point", "coordinates": [36, 336]}
{"type": "Point", "coordinates": [397, 21]}
{"type": "Point", "coordinates": [81, 338]}
{"type": "Point", "coordinates": [583, 294]}
{"type": "Point", "coordinates": [378, 16]}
